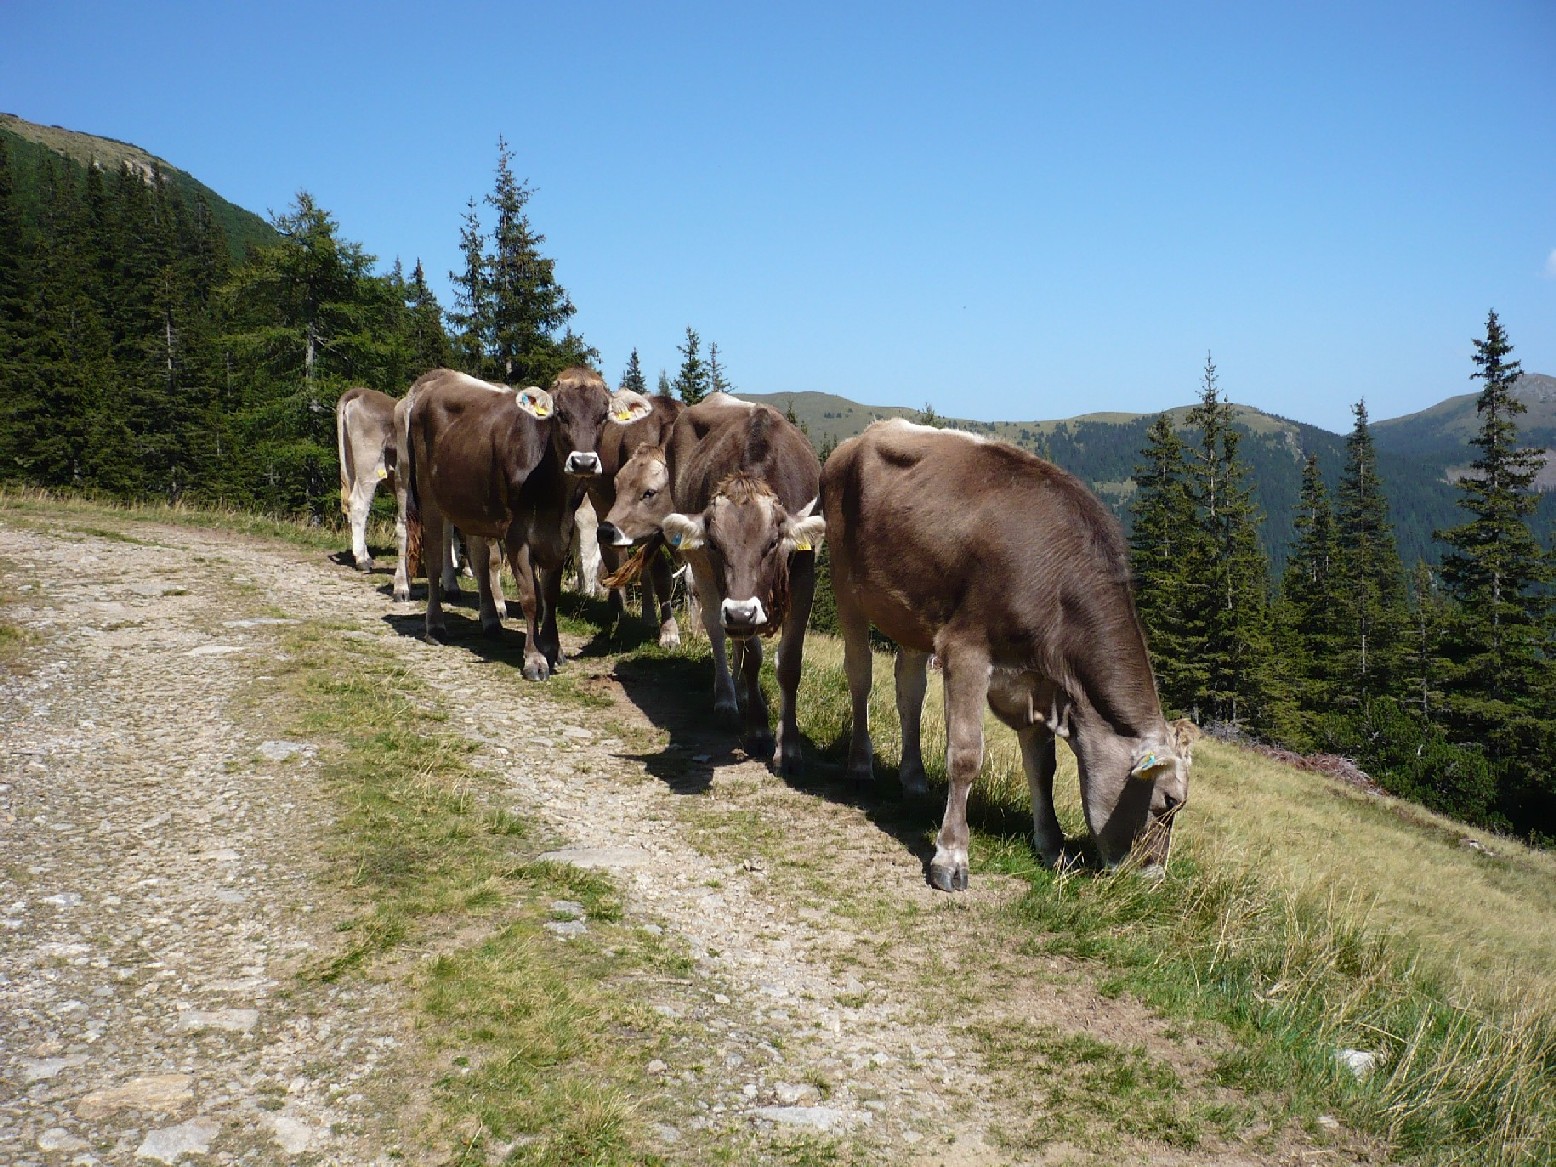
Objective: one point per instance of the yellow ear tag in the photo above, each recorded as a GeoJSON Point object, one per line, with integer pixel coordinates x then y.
{"type": "Point", "coordinates": [382, 474]}
{"type": "Point", "coordinates": [802, 545]}
{"type": "Point", "coordinates": [623, 414]}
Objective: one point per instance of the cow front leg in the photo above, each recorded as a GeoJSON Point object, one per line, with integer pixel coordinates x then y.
{"type": "Point", "coordinates": [658, 590]}
{"type": "Point", "coordinates": [859, 664]}
{"type": "Point", "coordinates": [491, 617]}
{"type": "Point", "coordinates": [966, 691]}
{"type": "Point", "coordinates": [759, 734]}
{"type": "Point", "coordinates": [361, 503]}
{"type": "Point", "coordinates": [724, 702]}
{"type": "Point", "coordinates": [791, 651]}
{"type": "Point", "coordinates": [1039, 760]}
{"type": "Point", "coordinates": [550, 584]}
{"type": "Point", "coordinates": [911, 670]}
{"type": "Point", "coordinates": [536, 667]}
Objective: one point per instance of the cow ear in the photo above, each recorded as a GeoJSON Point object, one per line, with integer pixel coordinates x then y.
{"type": "Point", "coordinates": [535, 401]}
{"type": "Point", "coordinates": [803, 532]}
{"type": "Point", "coordinates": [1150, 756]}
{"type": "Point", "coordinates": [809, 508]}
{"type": "Point", "coordinates": [1184, 734]}
{"type": "Point", "coordinates": [684, 532]}
{"type": "Point", "coordinates": [628, 406]}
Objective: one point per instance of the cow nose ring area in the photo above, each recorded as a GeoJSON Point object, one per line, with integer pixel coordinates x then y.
{"type": "Point", "coordinates": [582, 462]}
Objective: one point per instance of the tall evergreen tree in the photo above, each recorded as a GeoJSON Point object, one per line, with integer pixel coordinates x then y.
{"type": "Point", "coordinates": [1499, 679]}
{"type": "Point", "coordinates": [1310, 598]}
{"type": "Point", "coordinates": [1372, 609]}
{"type": "Point", "coordinates": [718, 382]}
{"type": "Point", "coordinates": [691, 383]}
{"type": "Point", "coordinates": [427, 341]}
{"type": "Point", "coordinates": [1228, 595]}
{"type": "Point", "coordinates": [663, 387]}
{"type": "Point", "coordinates": [1424, 663]}
{"type": "Point", "coordinates": [632, 378]}
{"type": "Point", "coordinates": [470, 318]}
{"type": "Point", "coordinates": [1163, 526]}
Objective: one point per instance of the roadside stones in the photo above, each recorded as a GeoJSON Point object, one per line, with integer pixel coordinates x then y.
{"type": "Point", "coordinates": [1359, 1062]}
{"type": "Point", "coordinates": [615, 858]}
{"type": "Point", "coordinates": [821, 1118]}
{"type": "Point", "coordinates": [187, 1138]}
{"type": "Point", "coordinates": [227, 1020]}
{"type": "Point", "coordinates": [38, 1070]}
{"type": "Point", "coordinates": [154, 1092]}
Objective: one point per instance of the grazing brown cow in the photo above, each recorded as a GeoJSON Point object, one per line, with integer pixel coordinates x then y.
{"type": "Point", "coordinates": [364, 439]}
{"type": "Point", "coordinates": [744, 482]}
{"type": "Point", "coordinates": [616, 449]}
{"type": "Point", "coordinates": [1011, 571]}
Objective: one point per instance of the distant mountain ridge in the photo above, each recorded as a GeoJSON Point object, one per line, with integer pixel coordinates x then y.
{"type": "Point", "coordinates": [1420, 455]}
{"type": "Point", "coordinates": [26, 139]}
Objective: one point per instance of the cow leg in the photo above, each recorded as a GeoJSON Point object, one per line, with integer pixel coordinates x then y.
{"type": "Point", "coordinates": [912, 673]}
{"type": "Point", "coordinates": [402, 569]}
{"type": "Point", "coordinates": [859, 664]}
{"type": "Point", "coordinates": [482, 550]}
{"type": "Point", "coordinates": [536, 667]}
{"type": "Point", "coordinates": [791, 650]}
{"type": "Point", "coordinates": [1039, 760]}
{"type": "Point", "coordinates": [434, 531]}
{"type": "Point", "coordinates": [966, 691]}
{"type": "Point", "coordinates": [450, 564]}
{"type": "Point", "coordinates": [362, 491]}
{"type": "Point", "coordinates": [713, 623]}
{"type": "Point", "coordinates": [759, 735]}
{"type": "Point", "coordinates": [658, 588]}
{"type": "Point", "coordinates": [493, 561]}
{"type": "Point", "coordinates": [550, 583]}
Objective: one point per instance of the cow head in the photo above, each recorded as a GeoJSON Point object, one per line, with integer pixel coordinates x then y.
{"type": "Point", "coordinates": [583, 404]}
{"type": "Point", "coordinates": [1162, 759]}
{"type": "Point", "coordinates": [643, 500]}
{"type": "Point", "coordinates": [748, 537]}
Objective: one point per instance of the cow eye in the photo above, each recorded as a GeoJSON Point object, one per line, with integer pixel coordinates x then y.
{"type": "Point", "coordinates": [650, 492]}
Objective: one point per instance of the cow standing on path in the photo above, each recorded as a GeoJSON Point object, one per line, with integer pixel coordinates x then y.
{"type": "Point", "coordinates": [617, 446]}
{"type": "Point", "coordinates": [738, 486]}
{"type": "Point", "coordinates": [1011, 571]}
{"type": "Point", "coordinates": [365, 442]}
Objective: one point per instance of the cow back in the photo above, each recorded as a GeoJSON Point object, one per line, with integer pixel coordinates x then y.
{"type": "Point", "coordinates": [722, 435]}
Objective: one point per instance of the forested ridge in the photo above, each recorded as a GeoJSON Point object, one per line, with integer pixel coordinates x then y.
{"type": "Point", "coordinates": [1288, 594]}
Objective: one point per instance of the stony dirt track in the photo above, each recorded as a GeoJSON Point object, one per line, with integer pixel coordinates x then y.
{"type": "Point", "coordinates": [161, 890]}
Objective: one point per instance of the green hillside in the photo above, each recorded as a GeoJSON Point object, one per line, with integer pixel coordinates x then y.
{"type": "Point", "coordinates": [28, 142]}
{"type": "Point", "coordinates": [1417, 454]}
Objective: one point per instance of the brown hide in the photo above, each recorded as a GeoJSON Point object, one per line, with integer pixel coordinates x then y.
{"type": "Point", "coordinates": [741, 476]}
{"type": "Point", "coordinates": [1017, 577]}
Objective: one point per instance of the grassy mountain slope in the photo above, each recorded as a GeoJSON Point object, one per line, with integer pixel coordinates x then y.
{"type": "Point", "coordinates": [27, 140]}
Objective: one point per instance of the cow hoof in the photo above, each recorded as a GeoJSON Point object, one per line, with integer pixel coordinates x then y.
{"type": "Point", "coordinates": [402, 595]}
{"type": "Point", "coordinates": [365, 564]}
{"type": "Point", "coordinates": [670, 640]}
{"type": "Point", "coordinates": [491, 628]}
{"type": "Point", "coordinates": [536, 670]}
{"type": "Point", "coordinates": [726, 708]}
{"type": "Point", "coordinates": [948, 878]}
{"type": "Point", "coordinates": [436, 636]}
{"type": "Point", "coordinates": [862, 773]}
{"type": "Point", "coordinates": [914, 783]}
{"type": "Point", "coordinates": [761, 745]}
{"type": "Point", "coordinates": [790, 764]}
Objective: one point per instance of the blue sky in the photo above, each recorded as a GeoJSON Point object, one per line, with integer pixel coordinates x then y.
{"type": "Point", "coordinates": [1006, 210]}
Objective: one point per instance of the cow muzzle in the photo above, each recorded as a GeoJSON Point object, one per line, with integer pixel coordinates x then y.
{"type": "Point", "coordinates": [582, 463]}
{"type": "Point", "coordinates": [610, 535]}
{"type": "Point", "coordinates": [742, 618]}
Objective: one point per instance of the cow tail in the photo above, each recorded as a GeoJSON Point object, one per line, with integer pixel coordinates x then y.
{"type": "Point", "coordinates": [343, 447]}
{"type": "Point", "coordinates": [413, 538]}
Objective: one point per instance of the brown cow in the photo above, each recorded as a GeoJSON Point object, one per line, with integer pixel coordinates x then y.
{"type": "Point", "coordinates": [365, 442]}
{"type": "Point", "coordinates": [616, 449]}
{"type": "Point", "coordinates": [744, 483]}
{"type": "Point", "coordinates": [471, 447]}
{"type": "Point", "coordinates": [1017, 577]}
{"type": "Point", "coordinates": [549, 505]}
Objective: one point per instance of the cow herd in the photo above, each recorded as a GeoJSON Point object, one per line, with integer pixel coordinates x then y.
{"type": "Point", "coordinates": [1000, 565]}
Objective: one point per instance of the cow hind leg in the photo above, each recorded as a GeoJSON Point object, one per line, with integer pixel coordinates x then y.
{"type": "Point", "coordinates": [403, 544]}
{"type": "Point", "coordinates": [759, 735]}
{"type": "Point", "coordinates": [859, 664]}
{"type": "Point", "coordinates": [658, 588]}
{"type": "Point", "coordinates": [1039, 760]}
{"type": "Point", "coordinates": [491, 618]}
{"type": "Point", "coordinates": [536, 667]}
{"type": "Point", "coordinates": [433, 533]}
{"type": "Point", "coordinates": [361, 503]}
{"type": "Point", "coordinates": [912, 675]}
{"type": "Point", "coordinates": [966, 691]}
{"type": "Point", "coordinates": [791, 651]}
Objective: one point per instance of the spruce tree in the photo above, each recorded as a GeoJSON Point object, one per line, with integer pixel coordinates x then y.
{"type": "Point", "coordinates": [717, 381]}
{"type": "Point", "coordinates": [691, 383]}
{"type": "Point", "coordinates": [470, 318]}
{"type": "Point", "coordinates": [632, 378]}
{"type": "Point", "coordinates": [1371, 593]}
{"type": "Point", "coordinates": [1309, 600]}
{"type": "Point", "coordinates": [1163, 525]}
{"type": "Point", "coordinates": [428, 344]}
{"type": "Point", "coordinates": [1227, 608]}
{"type": "Point", "coordinates": [1498, 684]}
